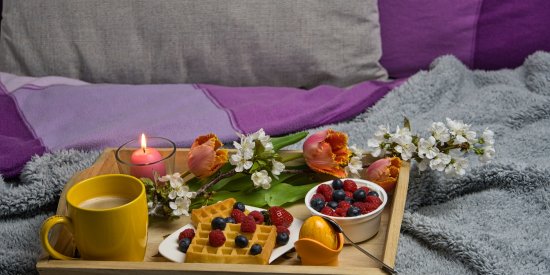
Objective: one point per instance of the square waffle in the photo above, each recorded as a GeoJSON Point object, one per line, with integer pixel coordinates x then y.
{"type": "Point", "coordinates": [208, 213]}
{"type": "Point", "coordinates": [200, 250]}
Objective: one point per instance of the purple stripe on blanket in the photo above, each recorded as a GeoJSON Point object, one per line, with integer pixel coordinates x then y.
{"type": "Point", "coordinates": [17, 142]}
{"type": "Point", "coordinates": [98, 116]}
{"type": "Point", "coordinates": [285, 110]}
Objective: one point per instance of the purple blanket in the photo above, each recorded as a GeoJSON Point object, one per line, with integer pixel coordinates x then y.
{"type": "Point", "coordinates": [38, 115]}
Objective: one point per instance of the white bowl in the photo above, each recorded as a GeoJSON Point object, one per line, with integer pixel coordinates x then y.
{"type": "Point", "coordinates": [362, 227]}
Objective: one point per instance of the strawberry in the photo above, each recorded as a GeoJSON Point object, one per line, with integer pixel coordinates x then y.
{"type": "Point", "coordinates": [279, 216]}
{"type": "Point", "coordinates": [187, 233]}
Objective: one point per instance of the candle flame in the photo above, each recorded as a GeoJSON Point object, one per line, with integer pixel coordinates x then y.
{"type": "Point", "coordinates": [143, 142]}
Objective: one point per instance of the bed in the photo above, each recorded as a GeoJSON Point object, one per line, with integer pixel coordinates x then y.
{"type": "Point", "coordinates": [85, 75]}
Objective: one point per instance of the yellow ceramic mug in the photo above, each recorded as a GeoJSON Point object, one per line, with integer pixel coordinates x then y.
{"type": "Point", "coordinates": [107, 216]}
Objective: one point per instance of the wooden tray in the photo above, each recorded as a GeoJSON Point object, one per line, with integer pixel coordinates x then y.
{"type": "Point", "coordinates": [383, 245]}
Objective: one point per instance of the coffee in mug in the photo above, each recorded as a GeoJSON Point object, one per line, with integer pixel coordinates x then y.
{"type": "Point", "coordinates": [108, 218]}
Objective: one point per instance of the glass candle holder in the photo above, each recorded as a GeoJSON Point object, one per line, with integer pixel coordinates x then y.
{"type": "Point", "coordinates": [155, 159]}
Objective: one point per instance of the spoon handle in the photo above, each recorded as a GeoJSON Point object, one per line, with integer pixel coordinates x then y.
{"type": "Point", "coordinates": [384, 265]}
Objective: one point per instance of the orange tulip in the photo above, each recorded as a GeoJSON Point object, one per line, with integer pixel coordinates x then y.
{"type": "Point", "coordinates": [327, 152]}
{"type": "Point", "coordinates": [204, 157]}
{"type": "Point", "coordinates": [384, 172]}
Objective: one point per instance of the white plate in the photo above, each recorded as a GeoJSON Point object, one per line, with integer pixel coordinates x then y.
{"type": "Point", "coordinates": [169, 246]}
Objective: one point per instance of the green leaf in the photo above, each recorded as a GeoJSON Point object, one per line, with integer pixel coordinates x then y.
{"type": "Point", "coordinates": [285, 193]}
{"type": "Point", "coordinates": [280, 142]}
{"type": "Point", "coordinates": [407, 123]}
{"type": "Point", "coordinates": [238, 182]}
{"type": "Point", "coordinates": [253, 197]}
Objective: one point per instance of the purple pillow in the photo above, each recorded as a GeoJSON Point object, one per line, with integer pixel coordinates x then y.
{"type": "Point", "coordinates": [488, 34]}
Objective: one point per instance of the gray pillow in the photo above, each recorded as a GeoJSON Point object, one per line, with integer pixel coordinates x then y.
{"type": "Point", "coordinates": [235, 43]}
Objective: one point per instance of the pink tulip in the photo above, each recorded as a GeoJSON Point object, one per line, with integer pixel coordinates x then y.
{"type": "Point", "coordinates": [327, 152]}
{"type": "Point", "coordinates": [204, 157]}
{"type": "Point", "coordinates": [384, 172]}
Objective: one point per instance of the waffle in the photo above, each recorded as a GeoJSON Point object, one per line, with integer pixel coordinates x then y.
{"type": "Point", "coordinates": [208, 213]}
{"type": "Point", "coordinates": [200, 250]}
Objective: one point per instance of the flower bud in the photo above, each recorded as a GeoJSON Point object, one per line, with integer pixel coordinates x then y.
{"type": "Point", "coordinates": [384, 172]}
{"type": "Point", "coordinates": [327, 152]}
{"type": "Point", "coordinates": [205, 157]}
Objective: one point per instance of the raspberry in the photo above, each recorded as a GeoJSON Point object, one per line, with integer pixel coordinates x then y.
{"type": "Point", "coordinates": [341, 212]}
{"type": "Point", "coordinates": [317, 195]}
{"type": "Point", "coordinates": [216, 238]}
{"type": "Point", "coordinates": [344, 204]}
{"type": "Point", "coordinates": [258, 217]}
{"type": "Point", "coordinates": [375, 200]}
{"type": "Point", "coordinates": [327, 195]}
{"type": "Point", "coordinates": [328, 211]}
{"type": "Point", "coordinates": [349, 194]}
{"type": "Point", "coordinates": [324, 188]}
{"type": "Point", "coordinates": [187, 233]}
{"type": "Point", "coordinates": [370, 206]}
{"type": "Point", "coordinates": [248, 225]}
{"type": "Point", "coordinates": [362, 206]}
{"type": "Point", "coordinates": [350, 186]}
{"type": "Point", "coordinates": [281, 229]}
{"type": "Point", "coordinates": [238, 215]}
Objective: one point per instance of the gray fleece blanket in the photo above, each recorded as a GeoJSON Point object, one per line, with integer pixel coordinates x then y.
{"type": "Point", "coordinates": [493, 220]}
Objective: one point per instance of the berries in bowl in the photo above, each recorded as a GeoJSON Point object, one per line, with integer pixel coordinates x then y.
{"type": "Point", "coordinates": [355, 204]}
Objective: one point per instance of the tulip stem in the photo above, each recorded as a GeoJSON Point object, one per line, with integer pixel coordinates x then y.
{"type": "Point", "coordinates": [185, 174]}
{"type": "Point", "coordinates": [207, 186]}
{"type": "Point", "coordinates": [296, 171]}
{"type": "Point", "coordinates": [290, 157]}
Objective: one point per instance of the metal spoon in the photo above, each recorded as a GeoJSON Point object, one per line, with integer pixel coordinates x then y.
{"type": "Point", "coordinates": [339, 229]}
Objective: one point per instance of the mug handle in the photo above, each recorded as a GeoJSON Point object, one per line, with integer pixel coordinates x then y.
{"type": "Point", "coordinates": [46, 227]}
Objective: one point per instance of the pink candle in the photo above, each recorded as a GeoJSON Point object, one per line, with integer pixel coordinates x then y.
{"type": "Point", "coordinates": [144, 156]}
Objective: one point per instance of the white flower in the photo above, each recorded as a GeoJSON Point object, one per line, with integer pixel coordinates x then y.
{"type": "Point", "coordinates": [401, 134]}
{"type": "Point", "coordinates": [261, 136]}
{"type": "Point", "coordinates": [405, 146]}
{"type": "Point", "coordinates": [150, 205]}
{"type": "Point", "coordinates": [354, 166]}
{"type": "Point", "coordinates": [440, 132]}
{"type": "Point", "coordinates": [440, 161]}
{"type": "Point", "coordinates": [356, 151]}
{"type": "Point", "coordinates": [375, 147]}
{"type": "Point", "coordinates": [175, 179]}
{"type": "Point", "coordinates": [240, 162]}
{"type": "Point", "coordinates": [427, 148]}
{"type": "Point", "coordinates": [488, 154]}
{"type": "Point", "coordinates": [277, 167]}
{"type": "Point", "coordinates": [261, 179]}
{"type": "Point", "coordinates": [180, 206]}
{"type": "Point", "coordinates": [382, 131]}
{"type": "Point", "coordinates": [488, 137]}
{"type": "Point", "coordinates": [246, 147]}
{"type": "Point", "coordinates": [457, 167]}
{"type": "Point", "coordinates": [461, 131]}
{"type": "Point", "coordinates": [423, 164]}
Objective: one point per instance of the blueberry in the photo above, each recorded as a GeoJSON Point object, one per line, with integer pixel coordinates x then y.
{"type": "Point", "coordinates": [373, 193]}
{"type": "Point", "coordinates": [350, 200]}
{"type": "Point", "coordinates": [317, 204]}
{"type": "Point", "coordinates": [230, 220]}
{"type": "Point", "coordinates": [241, 241]}
{"type": "Point", "coordinates": [337, 184]}
{"type": "Point", "coordinates": [338, 195]}
{"type": "Point", "coordinates": [332, 204]}
{"type": "Point", "coordinates": [255, 249]}
{"type": "Point", "coordinates": [239, 205]}
{"type": "Point", "coordinates": [282, 238]}
{"type": "Point", "coordinates": [184, 244]}
{"type": "Point", "coordinates": [359, 195]}
{"type": "Point", "coordinates": [218, 223]}
{"type": "Point", "coordinates": [353, 211]}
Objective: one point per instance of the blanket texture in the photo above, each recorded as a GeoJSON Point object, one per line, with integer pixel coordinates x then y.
{"type": "Point", "coordinates": [493, 220]}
